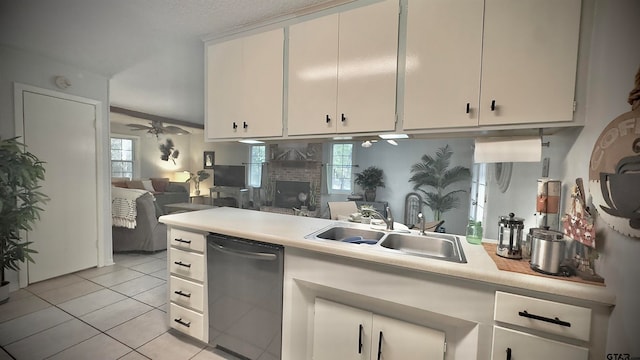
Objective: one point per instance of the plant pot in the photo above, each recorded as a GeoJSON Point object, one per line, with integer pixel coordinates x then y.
{"type": "Point", "coordinates": [4, 292]}
{"type": "Point", "coordinates": [370, 195]}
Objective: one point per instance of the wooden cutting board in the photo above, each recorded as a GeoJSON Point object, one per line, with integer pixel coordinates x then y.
{"type": "Point", "coordinates": [523, 267]}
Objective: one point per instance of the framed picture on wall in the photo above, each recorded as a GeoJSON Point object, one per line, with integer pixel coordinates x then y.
{"type": "Point", "coordinates": [209, 159]}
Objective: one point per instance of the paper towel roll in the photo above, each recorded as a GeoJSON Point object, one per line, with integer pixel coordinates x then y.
{"type": "Point", "coordinates": [515, 149]}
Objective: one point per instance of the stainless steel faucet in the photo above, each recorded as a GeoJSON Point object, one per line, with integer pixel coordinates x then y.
{"type": "Point", "coordinates": [421, 217]}
{"type": "Point", "coordinates": [388, 220]}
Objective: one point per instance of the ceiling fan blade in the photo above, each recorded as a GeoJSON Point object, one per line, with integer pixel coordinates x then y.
{"type": "Point", "coordinates": [138, 127]}
{"type": "Point", "coordinates": [175, 130]}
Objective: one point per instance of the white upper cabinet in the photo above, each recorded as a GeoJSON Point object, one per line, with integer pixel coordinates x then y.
{"type": "Point", "coordinates": [442, 72]}
{"type": "Point", "coordinates": [527, 52]}
{"type": "Point", "coordinates": [342, 71]}
{"type": "Point", "coordinates": [245, 87]}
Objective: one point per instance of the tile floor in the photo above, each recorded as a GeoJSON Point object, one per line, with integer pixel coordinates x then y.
{"type": "Point", "coordinates": [113, 312]}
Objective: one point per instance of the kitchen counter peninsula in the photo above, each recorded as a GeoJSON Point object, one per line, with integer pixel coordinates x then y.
{"type": "Point", "coordinates": [427, 308]}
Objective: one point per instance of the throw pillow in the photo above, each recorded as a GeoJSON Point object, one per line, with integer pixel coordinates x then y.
{"type": "Point", "coordinates": [160, 184]}
{"type": "Point", "coordinates": [135, 184]}
{"type": "Point", "coordinates": [147, 185]}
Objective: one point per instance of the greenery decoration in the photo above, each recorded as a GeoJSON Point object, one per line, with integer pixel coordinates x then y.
{"type": "Point", "coordinates": [20, 201]}
{"type": "Point", "coordinates": [434, 172]}
{"type": "Point", "coordinates": [201, 175]}
{"type": "Point", "coordinates": [167, 151]}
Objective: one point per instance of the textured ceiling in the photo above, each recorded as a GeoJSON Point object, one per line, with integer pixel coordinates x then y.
{"type": "Point", "coordinates": [150, 49]}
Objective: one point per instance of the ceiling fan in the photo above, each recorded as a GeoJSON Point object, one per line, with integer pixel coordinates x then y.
{"type": "Point", "coordinates": [156, 128]}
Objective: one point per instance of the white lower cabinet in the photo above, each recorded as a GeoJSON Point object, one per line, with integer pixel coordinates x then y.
{"type": "Point", "coordinates": [344, 332]}
{"type": "Point", "coordinates": [515, 345]}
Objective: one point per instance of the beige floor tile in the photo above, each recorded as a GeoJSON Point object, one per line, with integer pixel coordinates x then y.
{"type": "Point", "coordinates": [138, 285]}
{"type": "Point", "coordinates": [134, 355]}
{"type": "Point", "coordinates": [161, 274]}
{"type": "Point", "coordinates": [27, 325]}
{"type": "Point", "coordinates": [72, 291]}
{"type": "Point", "coordinates": [151, 266]}
{"type": "Point", "coordinates": [99, 347]}
{"type": "Point", "coordinates": [116, 277]}
{"type": "Point", "coordinates": [91, 302]}
{"type": "Point", "coordinates": [115, 314]}
{"type": "Point", "coordinates": [54, 283]}
{"type": "Point", "coordinates": [51, 341]}
{"type": "Point", "coordinates": [210, 353]}
{"type": "Point", "coordinates": [22, 305]}
{"type": "Point", "coordinates": [142, 329]}
{"type": "Point", "coordinates": [97, 271]}
{"type": "Point", "coordinates": [164, 308]}
{"type": "Point", "coordinates": [129, 260]}
{"type": "Point", "coordinates": [4, 355]}
{"type": "Point", "coordinates": [155, 297]}
{"type": "Point", "coordinates": [171, 346]}
{"type": "Point", "coordinates": [19, 294]}
{"type": "Point", "coordinates": [160, 255]}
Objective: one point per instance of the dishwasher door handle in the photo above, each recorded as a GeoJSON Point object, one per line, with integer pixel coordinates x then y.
{"type": "Point", "coordinates": [243, 253]}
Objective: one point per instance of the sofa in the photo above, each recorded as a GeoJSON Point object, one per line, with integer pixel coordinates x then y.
{"type": "Point", "coordinates": [148, 235]}
{"type": "Point", "coordinates": [164, 190]}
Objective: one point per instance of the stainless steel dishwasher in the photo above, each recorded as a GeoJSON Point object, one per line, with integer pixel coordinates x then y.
{"type": "Point", "coordinates": [245, 296]}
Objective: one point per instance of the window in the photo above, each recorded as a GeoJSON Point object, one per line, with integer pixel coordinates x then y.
{"type": "Point", "coordinates": [478, 190]}
{"type": "Point", "coordinates": [122, 152]}
{"type": "Point", "coordinates": [255, 165]}
{"type": "Point", "coordinates": [341, 169]}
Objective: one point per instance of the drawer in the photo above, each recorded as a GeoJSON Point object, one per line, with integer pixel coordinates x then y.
{"type": "Point", "coordinates": [187, 321]}
{"type": "Point", "coordinates": [510, 344]}
{"type": "Point", "coordinates": [186, 293]}
{"type": "Point", "coordinates": [187, 264]}
{"type": "Point", "coordinates": [548, 316]}
{"type": "Point", "coordinates": [187, 240]}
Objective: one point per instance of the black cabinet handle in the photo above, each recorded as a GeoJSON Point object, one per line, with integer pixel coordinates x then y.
{"type": "Point", "coordinates": [380, 346]}
{"type": "Point", "coordinates": [360, 339]}
{"type": "Point", "coordinates": [182, 264]}
{"type": "Point", "coordinates": [546, 319]}
{"type": "Point", "coordinates": [468, 108]}
{"type": "Point", "coordinates": [493, 105]}
{"type": "Point", "coordinates": [508, 353]}
{"type": "Point", "coordinates": [183, 323]}
{"type": "Point", "coordinates": [183, 241]}
{"type": "Point", "coordinates": [235, 126]}
{"type": "Point", "coordinates": [343, 118]}
{"type": "Point", "coordinates": [179, 292]}
{"type": "Point", "coordinates": [327, 119]}
{"type": "Point", "coordinates": [245, 125]}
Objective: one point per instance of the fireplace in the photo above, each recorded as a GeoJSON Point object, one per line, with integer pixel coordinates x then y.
{"type": "Point", "coordinates": [290, 194]}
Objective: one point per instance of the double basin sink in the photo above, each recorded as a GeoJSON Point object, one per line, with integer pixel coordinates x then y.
{"type": "Point", "coordinates": [432, 245]}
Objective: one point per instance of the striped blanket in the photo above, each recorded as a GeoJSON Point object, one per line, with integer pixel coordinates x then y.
{"type": "Point", "coordinates": [123, 206]}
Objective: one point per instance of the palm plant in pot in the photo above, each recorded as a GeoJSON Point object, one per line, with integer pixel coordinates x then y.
{"type": "Point", "coordinates": [434, 172]}
{"type": "Point", "coordinates": [201, 175]}
{"type": "Point", "coordinates": [20, 200]}
{"type": "Point", "coordinates": [370, 179]}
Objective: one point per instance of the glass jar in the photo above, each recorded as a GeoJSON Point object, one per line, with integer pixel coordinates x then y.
{"type": "Point", "coordinates": [474, 232]}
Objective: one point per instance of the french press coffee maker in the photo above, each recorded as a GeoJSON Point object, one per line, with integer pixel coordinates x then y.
{"type": "Point", "coordinates": [510, 237]}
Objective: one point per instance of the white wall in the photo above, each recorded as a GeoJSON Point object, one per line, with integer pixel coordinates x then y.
{"type": "Point", "coordinates": [614, 61]}
{"type": "Point", "coordinates": [30, 69]}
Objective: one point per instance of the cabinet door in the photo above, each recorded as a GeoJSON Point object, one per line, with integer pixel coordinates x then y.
{"type": "Point", "coordinates": [367, 67]}
{"type": "Point", "coordinates": [442, 78]}
{"type": "Point", "coordinates": [224, 89]}
{"type": "Point", "coordinates": [396, 339]}
{"type": "Point", "coordinates": [313, 76]}
{"type": "Point", "coordinates": [529, 61]}
{"type": "Point", "coordinates": [340, 332]}
{"type": "Point", "coordinates": [262, 65]}
{"type": "Point", "coordinates": [510, 344]}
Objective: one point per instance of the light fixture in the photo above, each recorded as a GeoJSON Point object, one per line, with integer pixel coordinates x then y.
{"type": "Point", "coordinates": [393, 136]}
{"type": "Point", "coordinates": [181, 176]}
{"type": "Point", "coordinates": [338, 138]}
{"type": "Point", "coordinates": [62, 82]}
{"type": "Point", "coordinates": [392, 142]}
{"type": "Point", "coordinates": [250, 141]}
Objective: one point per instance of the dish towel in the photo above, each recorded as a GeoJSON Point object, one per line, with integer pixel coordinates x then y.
{"type": "Point", "coordinates": [123, 206]}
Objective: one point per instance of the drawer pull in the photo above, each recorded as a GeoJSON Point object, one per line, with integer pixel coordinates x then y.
{"type": "Point", "coordinates": [493, 105]}
{"type": "Point", "coordinates": [546, 319]}
{"type": "Point", "coordinates": [183, 241]}
{"type": "Point", "coordinates": [468, 108]}
{"type": "Point", "coordinates": [179, 292]}
{"type": "Point", "coordinates": [360, 339]}
{"type": "Point", "coordinates": [183, 323]}
{"type": "Point", "coordinates": [182, 264]}
{"type": "Point", "coordinates": [380, 346]}
{"type": "Point", "coordinates": [508, 353]}
{"type": "Point", "coordinates": [327, 119]}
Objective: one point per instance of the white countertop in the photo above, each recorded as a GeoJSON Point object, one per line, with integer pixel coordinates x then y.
{"type": "Point", "coordinates": [289, 231]}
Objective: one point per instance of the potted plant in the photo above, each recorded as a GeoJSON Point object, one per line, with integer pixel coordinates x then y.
{"type": "Point", "coordinates": [434, 172]}
{"type": "Point", "coordinates": [20, 200]}
{"type": "Point", "coordinates": [369, 180]}
{"type": "Point", "coordinates": [201, 175]}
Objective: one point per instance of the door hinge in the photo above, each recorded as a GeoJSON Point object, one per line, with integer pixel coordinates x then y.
{"type": "Point", "coordinates": [575, 105]}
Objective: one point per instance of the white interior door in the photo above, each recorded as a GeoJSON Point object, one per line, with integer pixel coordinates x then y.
{"type": "Point", "coordinates": [62, 133]}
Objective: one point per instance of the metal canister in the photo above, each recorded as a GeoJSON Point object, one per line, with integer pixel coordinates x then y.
{"type": "Point", "coordinates": [547, 251]}
{"type": "Point", "coordinates": [510, 237]}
